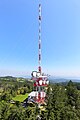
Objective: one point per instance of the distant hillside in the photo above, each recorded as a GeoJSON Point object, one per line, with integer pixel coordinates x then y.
{"type": "Point", "coordinates": [59, 80]}
{"type": "Point", "coordinates": [11, 78]}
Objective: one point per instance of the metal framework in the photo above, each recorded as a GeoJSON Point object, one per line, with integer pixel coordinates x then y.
{"type": "Point", "coordinates": [40, 80]}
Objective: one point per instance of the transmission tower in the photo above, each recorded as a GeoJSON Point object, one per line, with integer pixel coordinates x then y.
{"type": "Point", "coordinates": [40, 80]}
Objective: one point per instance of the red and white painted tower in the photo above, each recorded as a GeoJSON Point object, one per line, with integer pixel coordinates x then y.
{"type": "Point", "coordinates": [40, 80]}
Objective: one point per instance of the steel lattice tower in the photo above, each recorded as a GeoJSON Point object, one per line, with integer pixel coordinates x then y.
{"type": "Point", "coordinates": [40, 80]}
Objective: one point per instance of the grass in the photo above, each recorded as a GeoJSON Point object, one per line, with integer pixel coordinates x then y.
{"type": "Point", "coordinates": [21, 98]}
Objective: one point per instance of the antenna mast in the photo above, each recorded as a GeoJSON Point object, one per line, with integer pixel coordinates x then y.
{"type": "Point", "coordinates": [40, 80]}
{"type": "Point", "coordinates": [40, 18]}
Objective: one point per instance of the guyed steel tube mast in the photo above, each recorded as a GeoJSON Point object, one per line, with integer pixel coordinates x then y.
{"type": "Point", "coordinates": [40, 80]}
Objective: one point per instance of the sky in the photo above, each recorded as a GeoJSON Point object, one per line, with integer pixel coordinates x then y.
{"type": "Point", "coordinates": [60, 37]}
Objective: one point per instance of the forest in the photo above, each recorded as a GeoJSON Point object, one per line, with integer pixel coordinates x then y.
{"type": "Point", "coordinates": [62, 100]}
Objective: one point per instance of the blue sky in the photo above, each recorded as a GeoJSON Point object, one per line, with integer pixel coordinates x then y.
{"type": "Point", "coordinates": [60, 37]}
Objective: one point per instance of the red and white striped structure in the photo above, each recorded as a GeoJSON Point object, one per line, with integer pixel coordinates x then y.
{"type": "Point", "coordinates": [40, 80]}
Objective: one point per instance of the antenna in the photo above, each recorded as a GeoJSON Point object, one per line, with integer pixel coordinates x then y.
{"type": "Point", "coordinates": [40, 18]}
{"type": "Point", "coordinates": [40, 80]}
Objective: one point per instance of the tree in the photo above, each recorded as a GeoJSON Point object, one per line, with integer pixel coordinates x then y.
{"type": "Point", "coordinates": [49, 108]}
{"type": "Point", "coordinates": [72, 94]}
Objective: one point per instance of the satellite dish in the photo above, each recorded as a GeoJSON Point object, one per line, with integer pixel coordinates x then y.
{"type": "Point", "coordinates": [47, 82]}
{"type": "Point", "coordinates": [34, 73]}
{"type": "Point", "coordinates": [38, 74]}
{"type": "Point", "coordinates": [40, 82]}
{"type": "Point", "coordinates": [44, 82]}
{"type": "Point", "coordinates": [36, 83]}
